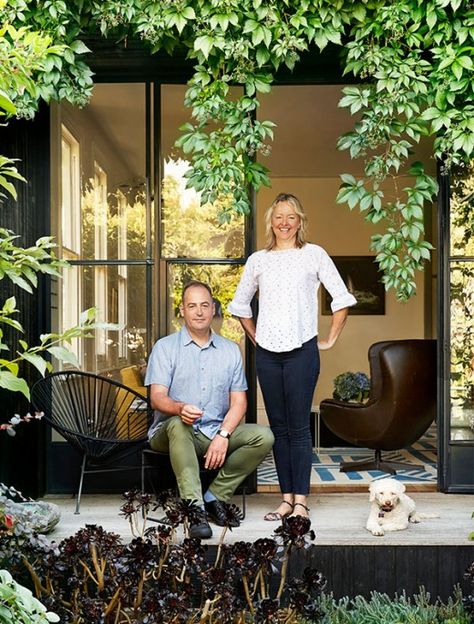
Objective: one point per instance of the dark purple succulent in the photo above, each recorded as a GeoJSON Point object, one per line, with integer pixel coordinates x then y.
{"type": "Point", "coordinates": [267, 611]}
{"type": "Point", "coordinates": [295, 531]}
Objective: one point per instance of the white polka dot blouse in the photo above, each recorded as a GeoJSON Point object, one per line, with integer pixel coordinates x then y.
{"type": "Point", "coordinates": [287, 282]}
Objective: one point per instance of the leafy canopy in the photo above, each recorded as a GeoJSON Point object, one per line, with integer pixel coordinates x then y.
{"type": "Point", "coordinates": [411, 58]}
{"type": "Point", "coordinates": [23, 55]}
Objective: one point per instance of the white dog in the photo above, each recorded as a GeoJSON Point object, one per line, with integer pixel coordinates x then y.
{"type": "Point", "coordinates": [391, 509]}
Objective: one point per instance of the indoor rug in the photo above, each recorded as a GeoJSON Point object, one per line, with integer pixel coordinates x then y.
{"type": "Point", "coordinates": [325, 471]}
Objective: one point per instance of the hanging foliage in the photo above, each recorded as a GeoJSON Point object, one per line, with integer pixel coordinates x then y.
{"type": "Point", "coordinates": [412, 60]}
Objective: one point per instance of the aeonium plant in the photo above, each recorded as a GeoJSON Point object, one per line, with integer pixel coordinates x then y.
{"type": "Point", "coordinates": [95, 577]}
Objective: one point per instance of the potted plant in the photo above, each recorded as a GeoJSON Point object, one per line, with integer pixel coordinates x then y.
{"type": "Point", "coordinates": [351, 387]}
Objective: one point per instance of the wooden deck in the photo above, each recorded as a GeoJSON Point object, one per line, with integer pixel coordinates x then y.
{"type": "Point", "coordinates": [338, 519]}
{"type": "Point", "coordinates": [433, 554]}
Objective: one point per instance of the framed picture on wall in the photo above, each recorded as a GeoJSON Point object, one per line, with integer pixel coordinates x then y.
{"type": "Point", "coordinates": [364, 280]}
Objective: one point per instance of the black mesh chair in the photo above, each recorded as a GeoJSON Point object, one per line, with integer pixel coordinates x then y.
{"type": "Point", "coordinates": [102, 419]}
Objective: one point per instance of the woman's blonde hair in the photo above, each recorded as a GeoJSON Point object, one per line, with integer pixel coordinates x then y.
{"type": "Point", "coordinates": [298, 208]}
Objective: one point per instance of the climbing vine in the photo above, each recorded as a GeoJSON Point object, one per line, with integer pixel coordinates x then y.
{"type": "Point", "coordinates": [411, 61]}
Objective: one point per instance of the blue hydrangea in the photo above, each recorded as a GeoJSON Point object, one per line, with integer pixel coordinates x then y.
{"type": "Point", "coordinates": [351, 387]}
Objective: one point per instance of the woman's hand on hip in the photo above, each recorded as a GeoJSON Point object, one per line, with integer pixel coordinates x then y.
{"type": "Point", "coordinates": [324, 345]}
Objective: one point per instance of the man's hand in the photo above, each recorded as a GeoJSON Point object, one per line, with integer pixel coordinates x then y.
{"type": "Point", "coordinates": [189, 413]}
{"type": "Point", "coordinates": [216, 452]}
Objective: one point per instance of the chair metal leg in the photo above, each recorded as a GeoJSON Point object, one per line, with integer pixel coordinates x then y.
{"type": "Point", "coordinates": [81, 480]}
{"type": "Point", "coordinates": [143, 472]}
{"type": "Point", "coordinates": [244, 506]}
{"type": "Point", "coordinates": [378, 464]}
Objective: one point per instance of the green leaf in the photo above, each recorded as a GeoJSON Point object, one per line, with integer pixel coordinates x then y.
{"type": "Point", "coordinates": [37, 361]}
{"type": "Point", "coordinates": [465, 61]}
{"type": "Point", "coordinates": [19, 281]}
{"type": "Point", "coordinates": [11, 366]}
{"type": "Point", "coordinates": [347, 178]}
{"type": "Point", "coordinates": [8, 186]}
{"type": "Point", "coordinates": [79, 47]}
{"type": "Point", "coordinates": [204, 44]}
{"type": "Point", "coordinates": [262, 56]}
{"type": "Point", "coordinates": [6, 104]}
{"type": "Point", "coordinates": [13, 383]}
{"type": "Point", "coordinates": [188, 13]}
{"type": "Point", "coordinates": [63, 354]}
{"type": "Point", "coordinates": [9, 306]}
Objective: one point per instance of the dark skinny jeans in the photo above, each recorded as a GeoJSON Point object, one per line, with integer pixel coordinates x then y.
{"type": "Point", "coordinates": [287, 381]}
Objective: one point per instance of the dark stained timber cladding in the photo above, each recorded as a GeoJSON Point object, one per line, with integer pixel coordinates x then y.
{"type": "Point", "coordinates": [342, 561]}
{"type": "Point", "coordinates": [354, 570]}
{"type": "Point", "coordinates": [28, 217]}
{"type": "Point", "coordinates": [404, 578]}
{"type": "Point", "coordinates": [426, 562]}
{"type": "Point", "coordinates": [385, 570]}
{"type": "Point", "coordinates": [363, 570]}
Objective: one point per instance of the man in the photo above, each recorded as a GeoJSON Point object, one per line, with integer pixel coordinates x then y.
{"type": "Point", "coordinates": [198, 387]}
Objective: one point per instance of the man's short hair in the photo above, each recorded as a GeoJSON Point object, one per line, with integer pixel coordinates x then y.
{"type": "Point", "coordinates": [192, 283]}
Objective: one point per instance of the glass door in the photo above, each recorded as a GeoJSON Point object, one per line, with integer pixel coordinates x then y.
{"type": "Point", "coordinates": [458, 382]}
{"type": "Point", "coordinates": [194, 243]}
{"type": "Point", "coordinates": [113, 173]}
{"type": "Point", "coordinates": [102, 217]}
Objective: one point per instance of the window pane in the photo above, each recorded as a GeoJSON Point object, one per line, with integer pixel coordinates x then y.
{"type": "Point", "coordinates": [119, 294]}
{"type": "Point", "coordinates": [190, 229]}
{"type": "Point", "coordinates": [462, 211]}
{"type": "Point", "coordinates": [102, 174]}
{"type": "Point", "coordinates": [222, 279]}
{"type": "Point", "coordinates": [462, 351]}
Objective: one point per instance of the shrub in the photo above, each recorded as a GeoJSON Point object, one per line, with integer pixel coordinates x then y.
{"type": "Point", "coordinates": [381, 609]}
{"type": "Point", "coordinates": [19, 606]}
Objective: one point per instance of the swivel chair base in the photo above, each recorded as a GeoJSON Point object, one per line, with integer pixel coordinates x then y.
{"type": "Point", "coordinates": [378, 464]}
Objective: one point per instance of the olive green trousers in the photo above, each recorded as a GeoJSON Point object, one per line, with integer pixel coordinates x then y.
{"type": "Point", "coordinates": [248, 446]}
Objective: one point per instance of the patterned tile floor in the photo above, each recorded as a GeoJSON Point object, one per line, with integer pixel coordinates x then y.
{"type": "Point", "coordinates": [326, 473]}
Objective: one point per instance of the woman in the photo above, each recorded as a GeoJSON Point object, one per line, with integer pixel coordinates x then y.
{"type": "Point", "coordinates": [287, 274]}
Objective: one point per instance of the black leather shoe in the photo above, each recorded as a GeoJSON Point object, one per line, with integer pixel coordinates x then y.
{"type": "Point", "coordinates": [217, 513]}
{"type": "Point", "coordinates": [201, 528]}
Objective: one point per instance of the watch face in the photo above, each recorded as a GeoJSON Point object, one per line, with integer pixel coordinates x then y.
{"type": "Point", "coordinates": [224, 434]}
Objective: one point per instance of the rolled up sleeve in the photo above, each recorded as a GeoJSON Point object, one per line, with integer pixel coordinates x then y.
{"type": "Point", "coordinates": [334, 284]}
{"type": "Point", "coordinates": [240, 305]}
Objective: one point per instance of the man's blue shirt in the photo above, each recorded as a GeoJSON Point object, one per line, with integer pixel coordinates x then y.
{"type": "Point", "coordinates": [202, 376]}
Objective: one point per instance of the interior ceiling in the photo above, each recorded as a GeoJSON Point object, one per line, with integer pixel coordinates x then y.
{"type": "Point", "coordinates": [119, 110]}
{"type": "Point", "coordinates": [308, 124]}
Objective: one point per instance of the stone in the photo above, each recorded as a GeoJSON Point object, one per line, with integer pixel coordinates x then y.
{"type": "Point", "coordinates": [40, 516]}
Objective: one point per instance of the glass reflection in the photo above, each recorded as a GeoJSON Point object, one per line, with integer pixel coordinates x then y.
{"type": "Point", "coordinates": [103, 175]}
{"type": "Point", "coordinates": [462, 210]}
{"type": "Point", "coordinates": [462, 351]}
{"type": "Point", "coordinates": [192, 229]}
{"type": "Point", "coordinates": [117, 292]}
{"type": "Point", "coordinates": [222, 279]}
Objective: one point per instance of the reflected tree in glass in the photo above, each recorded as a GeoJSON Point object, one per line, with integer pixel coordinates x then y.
{"type": "Point", "coordinates": [222, 279]}
{"type": "Point", "coordinates": [462, 297]}
{"type": "Point", "coordinates": [192, 229]}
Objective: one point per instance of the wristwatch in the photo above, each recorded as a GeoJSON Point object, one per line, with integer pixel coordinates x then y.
{"type": "Point", "coordinates": [223, 433]}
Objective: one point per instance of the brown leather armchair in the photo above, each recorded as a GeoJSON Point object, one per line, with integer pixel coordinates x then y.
{"type": "Point", "coordinates": [401, 405]}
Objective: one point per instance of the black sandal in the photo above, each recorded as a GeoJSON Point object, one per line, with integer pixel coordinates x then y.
{"type": "Point", "coordinates": [304, 507]}
{"type": "Point", "coordinates": [273, 516]}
